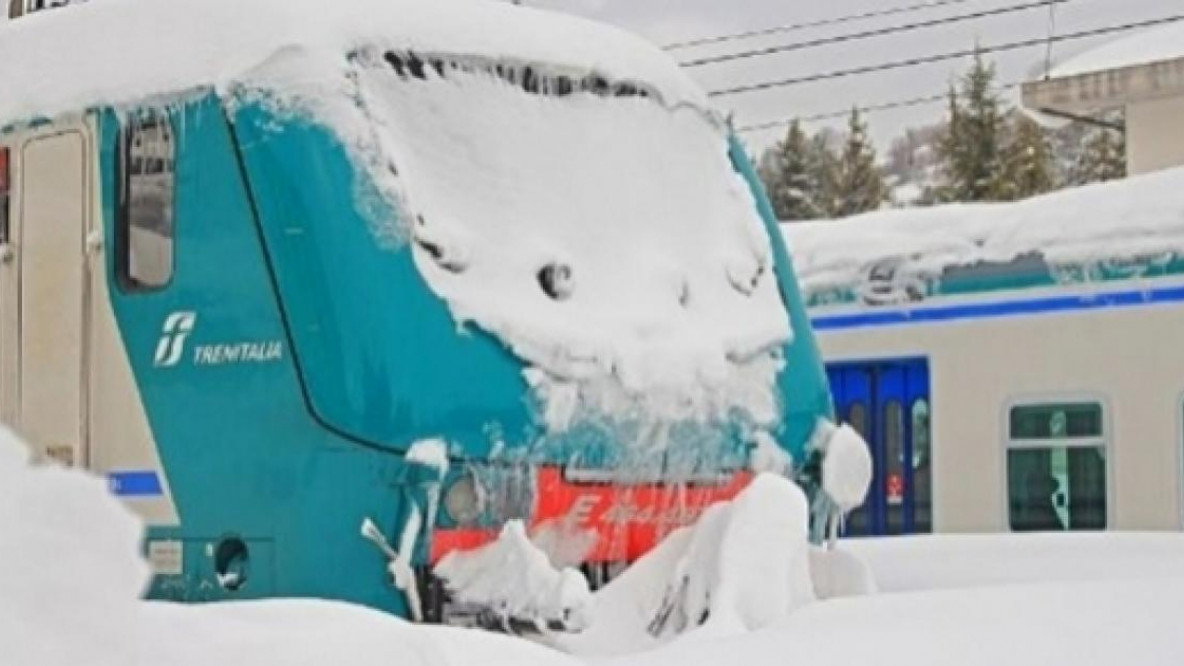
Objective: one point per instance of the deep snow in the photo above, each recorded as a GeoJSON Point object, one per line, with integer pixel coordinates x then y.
{"type": "Point", "coordinates": [70, 574]}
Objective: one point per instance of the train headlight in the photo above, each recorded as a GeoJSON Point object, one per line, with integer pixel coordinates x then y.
{"type": "Point", "coordinates": [463, 500]}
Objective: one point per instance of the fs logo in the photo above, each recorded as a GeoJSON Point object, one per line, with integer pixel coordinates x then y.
{"type": "Point", "coordinates": [177, 327]}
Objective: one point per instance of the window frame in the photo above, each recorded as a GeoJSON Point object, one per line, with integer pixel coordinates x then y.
{"type": "Point", "coordinates": [122, 254]}
{"type": "Point", "coordinates": [1106, 439]}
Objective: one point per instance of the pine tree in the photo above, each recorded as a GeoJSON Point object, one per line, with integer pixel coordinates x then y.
{"type": "Point", "coordinates": [789, 177]}
{"type": "Point", "coordinates": [824, 165]}
{"type": "Point", "coordinates": [970, 149]}
{"type": "Point", "coordinates": [1027, 168]}
{"type": "Point", "coordinates": [1102, 158]}
{"type": "Point", "coordinates": [859, 186]}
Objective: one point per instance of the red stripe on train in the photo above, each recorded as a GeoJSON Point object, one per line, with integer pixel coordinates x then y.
{"type": "Point", "coordinates": [620, 522]}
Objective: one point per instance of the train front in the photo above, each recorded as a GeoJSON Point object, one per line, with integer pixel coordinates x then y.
{"type": "Point", "coordinates": [564, 288]}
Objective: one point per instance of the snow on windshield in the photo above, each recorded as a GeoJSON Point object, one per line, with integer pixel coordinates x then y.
{"type": "Point", "coordinates": [606, 240]}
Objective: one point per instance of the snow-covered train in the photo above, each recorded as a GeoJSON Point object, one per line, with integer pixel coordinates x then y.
{"type": "Point", "coordinates": [1014, 366]}
{"type": "Point", "coordinates": [283, 269]}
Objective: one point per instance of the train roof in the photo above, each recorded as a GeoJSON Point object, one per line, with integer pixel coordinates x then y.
{"type": "Point", "coordinates": [115, 52]}
{"type": "Point", "coordinates": [1135, 221]}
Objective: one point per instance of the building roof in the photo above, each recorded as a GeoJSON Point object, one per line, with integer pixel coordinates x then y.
{"type": "Point", "coordinates": [1145, 47]}
{"type": "Point", "coordinates": [119, 51]}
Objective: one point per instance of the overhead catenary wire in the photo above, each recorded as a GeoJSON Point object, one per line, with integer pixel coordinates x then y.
{"type": "Point", "coordinates": [821, 23]}
{"type": "Point", "coordinates": [868, 108]}
{"type": "Point", "coordinates": [942, 57]}
{"type": "Point", "coordinates": [877, 32]}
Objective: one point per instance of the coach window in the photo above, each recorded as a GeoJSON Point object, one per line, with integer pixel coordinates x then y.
{"type": "Point", "coordinates": [5, 187]}
{"type": "Point", "coordinates": [147, 190]}
{"type": "Point", "coordinates": [922, 468]}
{"type": "Point", "coordinates": [1056, 467]}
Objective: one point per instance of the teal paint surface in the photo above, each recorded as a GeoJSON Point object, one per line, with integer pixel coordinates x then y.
{"type": "Point", "coordinates": [241, 453]}
{"type": "Point", "coordinates": [805, 392]}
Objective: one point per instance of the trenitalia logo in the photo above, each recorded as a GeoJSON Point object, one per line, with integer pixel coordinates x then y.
{"type": "Point", "coordinates": [171, 347]}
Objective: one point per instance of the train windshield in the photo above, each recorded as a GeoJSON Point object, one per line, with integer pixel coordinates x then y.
{"type": "Point", "coordinates": [604, 260]}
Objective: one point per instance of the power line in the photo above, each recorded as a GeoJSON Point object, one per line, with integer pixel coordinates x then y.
{"type": "Point", "coordinates": [868, 34]}
{"type": "Point", "coordinates": [795, 27]}
{"type": "Point", "coordinates": [942, 57]}
{"type": "Point", "coordinates": [871, 108]}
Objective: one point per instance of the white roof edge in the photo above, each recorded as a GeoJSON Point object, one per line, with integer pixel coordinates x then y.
{"type": "Point", "coordinates": [1159, 44]}
{"type": "Point", "coordinates": [120, 51]}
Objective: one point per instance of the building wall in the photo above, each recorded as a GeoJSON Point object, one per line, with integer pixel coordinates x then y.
{"type": "Point", "coordinates": [1155, 135]}
{"type": "Point", "coordinates": [1129, 359]}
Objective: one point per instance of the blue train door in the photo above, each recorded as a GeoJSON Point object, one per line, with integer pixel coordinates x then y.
{"type": "Point", "coordinates": [888, 402]}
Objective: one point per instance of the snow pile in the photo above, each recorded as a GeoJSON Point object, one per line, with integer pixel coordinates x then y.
{"type": "Point", "coordinates": [1062, 624]}
{"type": "Point", "coordinates": [552, 223]}
{"type": "Point", "coordinates": [976, 560]}
{"type": "Point", "coordinates": [846, 468]}
{"type": "Point", "coordinates": [71, 576]}
{"type": "Point", "coordinates": [516, 580]}
{"type": "Point", "coordinates": [1138, 217]}
{"type": "Point", "coordinates": [1155, 45]}
{"type": "Point", "coordinates": [136, 50]}
{"type": "Point", "coordinates": [70, 571]}
{"type": "Point", "coordinates": [838, 572]}
{"type": "Point", "coordinates": [744, 565]}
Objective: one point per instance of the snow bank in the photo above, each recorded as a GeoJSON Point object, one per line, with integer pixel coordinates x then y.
{"type": "Point", "coordinates": [1155, 45]}
{"type": "Point", "coordinates": [744, 565]}
{"type": "Point", "coordinates": [516, 580]}
{"type": "Point", "coordinates": [1062, 624]}
{"type": "Point", "coordinates": [316, 633]}
{"type": "Point", "coordinates": [552, 223]}
{"type": "Point", "coordinates": [70, 570]}
{"type": "Point", "coordinates": [71, 576]}
{"type": "Point", "coordinates": [906, 564]}
{"type": "Point", "coordinates": [1138, 217]}
{"type": "Point", "coordinates": [134, 50]}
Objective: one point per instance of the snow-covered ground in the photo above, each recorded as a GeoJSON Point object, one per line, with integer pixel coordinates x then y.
{"type": "Point", "coordinates": [740, 587]}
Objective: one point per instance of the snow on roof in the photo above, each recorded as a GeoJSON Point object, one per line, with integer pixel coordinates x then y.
{"type": "Point", "coordinates": [119, 51]}
{"type": "Point", "coordinates": [1155, 45]}
{"type": "Point", "coordinates": [1138, 217]}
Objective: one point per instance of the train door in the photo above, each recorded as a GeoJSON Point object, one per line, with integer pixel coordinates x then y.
{"type": "Point", "coordinates": [50, 324]}
{"type": "Point", "coordinates": [888, 403]}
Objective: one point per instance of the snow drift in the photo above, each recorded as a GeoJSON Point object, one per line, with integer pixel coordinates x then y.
{"type": "Point", "coordinates": [744, 565]}
{"type": "Point", "coordinates": [70, 570]}
{"type": "Point", "coordinates": [516, 580]}
{"type": "Point", "coordinates": [71, 576]}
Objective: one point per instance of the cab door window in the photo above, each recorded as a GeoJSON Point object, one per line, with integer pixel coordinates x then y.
{"type": "Point", "coordinates": [145, 234]}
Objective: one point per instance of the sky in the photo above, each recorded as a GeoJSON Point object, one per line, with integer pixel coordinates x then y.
{"type": "Point", "coordinates": [667, 21]}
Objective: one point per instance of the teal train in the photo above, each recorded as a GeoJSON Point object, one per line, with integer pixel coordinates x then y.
{"type": "Point", "coordinates": [215, 292]}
